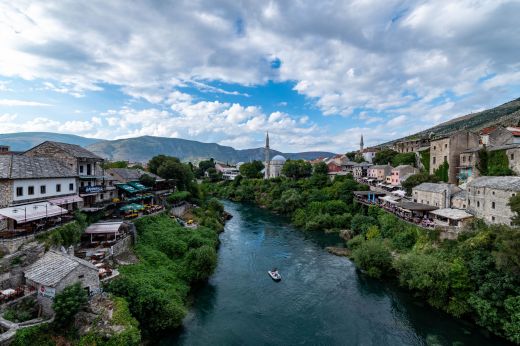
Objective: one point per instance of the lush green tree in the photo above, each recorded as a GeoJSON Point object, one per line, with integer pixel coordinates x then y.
{"type": "Point", "coordinates": [361, 223]}
{"type": "Point", "coordinates": [147, 180]}
{"type": "Point", "coordinates": [213, 174]}
{"type": "Point", "coordinates": [115, 164]}
{"type": "Point", "coordinates": [297, 169]}
{"type": "Point", "coordinates": [384, 156]}
{"type": "Point", "coordinates": [203, 167]}
{"type": "Point", "coordinates": [418, 179]}
{"type": "Point", "coordinates": [157, 161]}
{"type": "Point", "coordinates": [179, 196]}
{"type": "Point", "coordinates": [320, 168]}
{"type": "Point", "coordinates": [201, 262]}
{"type": "Point", "coordinates": [514, 204]}
{"type": "Point", "coordinates": [507, 254]}
{"type": "Point", "coordinates": [252, 169]}
{"type": "Point", "coordinates": [512, 325]}
{"type": "Point", "coordinates": [498, 164]}
{"type": "Point", "coordinates": [290, 200]}
{"type": "Point", "coordinates": [179, 172]}
{"type": "Point", "coordinates": [351, 155]}
{"type": "Point", "coordinates": [404, 159]}
{"type": "Point", "coordinates": [68, 303]}
{"type": "Point", "coordinates": [374, 257]}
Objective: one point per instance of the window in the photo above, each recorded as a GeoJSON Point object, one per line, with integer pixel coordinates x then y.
{"type": "Point", "coordinates": [19, 191]}
{"type": "Point", "coordinates": [463, 158]}
{"type": "Point", "coordinates": [493, 205]}
{"type": "Point", "coordinates": [513, 194]}
{"type": "Point", "coordinates": [71, 187]}
{"type": "Point", "coordinates": [81, 276]}
{"type": "Point", "coordinates": [492, 218]}
{"type": "Point", "coordinates": [493, 193]}
{"type": "Point", "coordinates": [58, 187]}
{"type": "Point", "coordinates": [434, 147]}
{"type": "Point", "coordinates": [445, 158]}
{"type": "Point", "coordinates": [446, 145]}
{"type": "Point", "coordinates": [434, 160]}
{"type": "Point", "coordinates": [81, 169]}
{"type": "Point", "coordinates": [469, 159]}
{"type": "Point", "coordinates": [512, 157]}
{"type": "Point", "coordinates": [43, 189]}
{"type": "Point", "coordinates": [82, 184]}
{"type": "Point", "coordinates": [102, 196]}
{"type": "Point", "coordinates": [30, 190]}
{"type": "Point", "coordinates": [478, 204]}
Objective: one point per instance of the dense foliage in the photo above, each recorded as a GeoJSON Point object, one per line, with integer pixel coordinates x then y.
{"type": "Point", "coordinates": [203, 166]}
{"type": "Point", "coordinates": [147, 180]}
{"type": "Point", "coordinates": [384, 156]}
{"type": "Point", "coordinates": [475, 277]}
{"type": "Point", "coordinates": [424, 156]}
{"type": "Point", "coordinates": [443, 172]}
{"type": "Point", "coordinates": [24, 310]}
{"type": "Point", "coordinates": [297, 169]}
{"type": "Point", "coordinates": [171, 259]}
{"type": "Point", "coordinates": [418, 179]}
{"type": "Point", "coordinates": [68, 303]}
{"type": "Point", "coordinates": [252, 169]}
{"type": "Point", "coordinates": [404, 159]}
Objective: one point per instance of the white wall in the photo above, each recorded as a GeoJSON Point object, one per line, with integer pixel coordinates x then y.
{"type": "Point", "coordinates": [50, 184]}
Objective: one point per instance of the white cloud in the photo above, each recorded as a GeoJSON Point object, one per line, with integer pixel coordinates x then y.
{"type": "Point", "coordinates": [22, 103]}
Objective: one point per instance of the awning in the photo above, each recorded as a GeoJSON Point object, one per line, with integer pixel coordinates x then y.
{"type": "Point", "coordinates": [103, 228]}
{"type": "Point", "coordinates": [127, 188]}
{"type": "Point", "coordinates": [131, 207]}
{"type": "Point", "coordinates": [31, 212]}
{"type": "Point", "coordinates": [65, 200]}
{"type": "Point", "coordinates": [389, 199]}
{"type": "Point", "coordinates": [137, 185]}
{"type": "Point", "coordinates": [452, 214]}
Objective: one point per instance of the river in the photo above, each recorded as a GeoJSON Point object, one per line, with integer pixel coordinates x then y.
{"type": "Point", "coordinates": [322, 299]}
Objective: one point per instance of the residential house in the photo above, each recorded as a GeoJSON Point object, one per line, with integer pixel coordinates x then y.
{"type": "Point", "coordinates": [379, 172]}
{"type": "Point", "coordinates": [458, 200]}
{"type": "Point", "coordinates": [451, 219]}
{"type": "Point", "coordinates": [228, 172]}
{"type": "Point", "coordinates": [448, 149]}
{"type": "Point", "coordinates": [411, 145]}
{"type": "Point", "coordinates": [434, 194]}
{"type": "Point", "coordinates": [468, 162]}
{"type": "Point", "coordinates": [333, 166]}
{"type": "Point", "coordinates": [33, 188]}
{"type": "Point", "coordinates": [87, 165]}
{"type": "Point", "coordinates": [360, 170]}
{"type": "Point", "coordinates": [488, 198]}
{"type": "Point", "coordinates": [399, 172]}
{"type": "Point", "coordinates": [55, 271]}
{"type": "Point", "coordinates": [369, 154]}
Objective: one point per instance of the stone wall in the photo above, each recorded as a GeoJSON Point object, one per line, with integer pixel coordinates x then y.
{"type": "Point", "coordinates": [6, 193]}
{"type": "Point", "coordinates": [122, 245]}
{"type": "Point", "coordinates": [490, 204]}
{"type": "Point", "coordinates": [48, 150]}
{"type": "Point", "coordinates": [513, 155]}
{"type": "Point", "coordinates": [13, 265]}
{"type": "Point", "coordinates": [437, 199]}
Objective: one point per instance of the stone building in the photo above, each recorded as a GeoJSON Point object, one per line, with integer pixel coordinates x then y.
{"type": "Point", "coordinates": [275, 166]}
{"type": "Point", "coordinates": [487, 198]}
{"type": "Point", "coordinates": [126, 175]}
{"type": "Point", "coordinates": [400, 172]}
{"type": "Point", "coordinates": [448, 149]}
{"type": "Point", "coordinates": [32, 188]}
{"type": "Point", "coordinates": [458, 200]}
{"type": "Point", "coordinates": [87, 165]}
{"type": "Point", "coordinates": [369, 154]}
{"type": "Point", "coordinates": [434, 194]}
{"type": "Point", "coordinates": [55, 271]}
{"type": "Point", "coordinates": [411, 145]}
{"type": "Point", "coordinates": [360, 170]}
{"type": "Point", "coordinates": [379, 172]}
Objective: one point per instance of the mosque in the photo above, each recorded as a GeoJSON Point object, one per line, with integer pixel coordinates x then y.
{"type": "Point", "coordinates": [272, 167]}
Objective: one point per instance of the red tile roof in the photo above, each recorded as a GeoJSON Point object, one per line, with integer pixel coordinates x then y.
{"type": "Point", "coordinates": [487, 130]}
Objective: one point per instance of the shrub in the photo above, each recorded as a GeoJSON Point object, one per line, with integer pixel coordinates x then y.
{"type": "Point", "coordinates": [374, 257]}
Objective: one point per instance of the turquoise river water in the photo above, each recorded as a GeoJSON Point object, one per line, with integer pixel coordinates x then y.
{"type": "Point", "coordinates": [322, 299]}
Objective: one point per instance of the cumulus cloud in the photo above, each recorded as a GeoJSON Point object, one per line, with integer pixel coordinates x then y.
{"type": "Point", "coordinates": [21, 103]}
{"type": "Point", "coordinates": [421, 61]}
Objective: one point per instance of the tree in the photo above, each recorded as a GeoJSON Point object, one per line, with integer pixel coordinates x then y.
{"type": "Point", "coordinates": [68, 303]}
{"type": "Point", "coordinates": [201, 262]}
{"type": "Point", "coordinates": [157, 161]}
{"type": "Point", "coordinates": [404, 159]}
{"type": "Point", "coordinates": [213, 174]}
{"type": "Point", "coordinates": [174, 170]}
{"type": "Point", "coordinates": [252, 170]}
{"type": "Point", "coordinates": [297, 169]}
{"type": "Point", "coordinates": [320, 168]}
{"type": "Point", "coordinates": [384, 156]}
{"type": "Point", "coordinates": [147, 180]}
{"type": "Point", "coordinates": [514, 204]}
{"type": "Point", "coordinates": [203, 167]}
{"type": "Point", "coordinates": [373, 256]}
{"type": "Point", "coordinates": [115, 164]}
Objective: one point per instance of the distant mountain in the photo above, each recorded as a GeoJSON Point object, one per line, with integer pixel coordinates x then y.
{"type": "Point", "coordinates": [141, 149]}
{"type": "Point", "coordinates": [507, 114]}
{"type": "Point", "coordinates": [22, 141]}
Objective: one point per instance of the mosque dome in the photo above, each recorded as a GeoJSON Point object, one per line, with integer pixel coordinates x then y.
{"type": "Point", "coordinates": [278, 159]}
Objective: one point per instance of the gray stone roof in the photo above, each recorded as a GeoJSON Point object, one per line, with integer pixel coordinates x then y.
{"type": "Point", "coordinates": [75, 150]}
{"type": "Point", "coordinates": [433, 187]}
{"type": "Point", "coordinates": [53, 267]}
{"type": "Point", "coordinates": [381, 167]}
{"type": "Point", "coordinates": [132, 174]}
{"type": "Point", "coordinates": [500, 183]}
{"type": "Point", "coordinates": [27, 167]}
{"type": "Point", "coordinates": [460, 195]}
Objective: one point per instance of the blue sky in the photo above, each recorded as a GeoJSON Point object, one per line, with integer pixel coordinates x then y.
{"type": "Point", "coordinates": [316, 75]}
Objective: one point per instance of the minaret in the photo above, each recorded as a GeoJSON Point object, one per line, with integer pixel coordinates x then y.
{"type": "Point", "coordinates": [361, 144]}
{"type": "Point", "coordinates": [267, 161]}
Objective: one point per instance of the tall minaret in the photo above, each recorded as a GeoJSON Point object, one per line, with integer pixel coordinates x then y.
{"type": "Point", "coordinates": [361, 144]}
{"type": "Point", "coordinates": [267, 161]}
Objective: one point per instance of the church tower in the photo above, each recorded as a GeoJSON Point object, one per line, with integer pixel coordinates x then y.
{"type": "Point", "coordinates": [267, 162]}
{"type": "Point", "coordinates": [361, 144]}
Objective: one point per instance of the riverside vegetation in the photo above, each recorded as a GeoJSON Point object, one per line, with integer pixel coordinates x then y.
{"type": "Point", "coordinates": [475, 277]}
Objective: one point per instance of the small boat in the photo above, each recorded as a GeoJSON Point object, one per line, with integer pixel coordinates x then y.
{"type": "Point", "coordinates": [274, 275]}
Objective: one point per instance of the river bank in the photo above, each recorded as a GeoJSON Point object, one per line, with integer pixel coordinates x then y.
{"type": "Point", "coordinates": [474, 278]}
